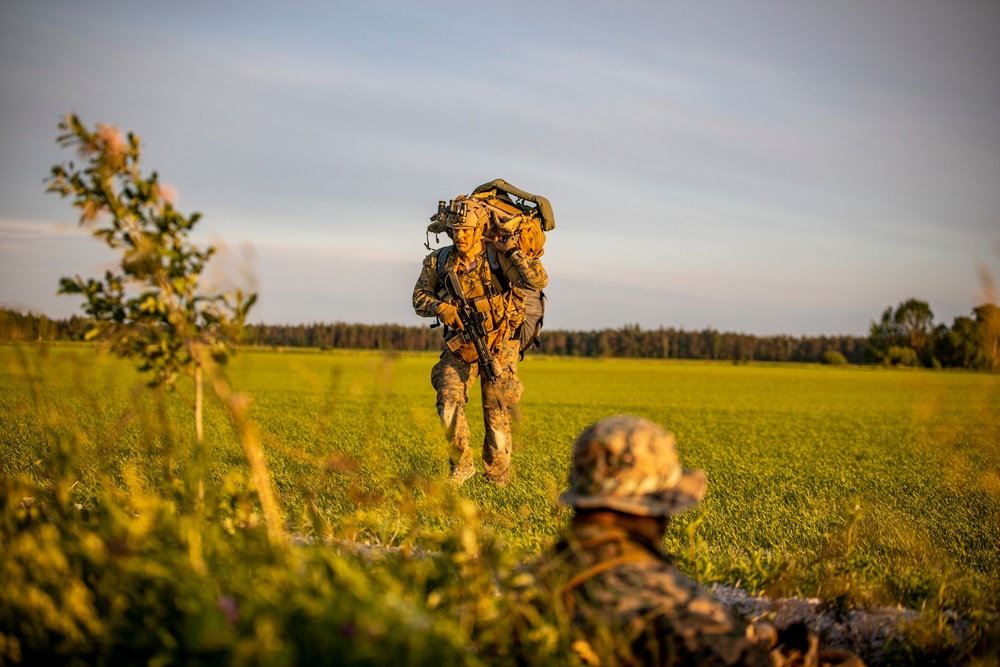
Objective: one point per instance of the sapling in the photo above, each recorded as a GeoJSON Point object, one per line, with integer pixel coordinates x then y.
{"type": "Point", "coordinates": [153, 306]}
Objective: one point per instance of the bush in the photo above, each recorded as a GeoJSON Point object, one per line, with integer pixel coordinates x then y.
{"type": "Point", "coordinates": [901, 356]}
{"type": "Point", "coordinates": [140, 583]}
{"type": "Point", "coordinates": [833, 358]}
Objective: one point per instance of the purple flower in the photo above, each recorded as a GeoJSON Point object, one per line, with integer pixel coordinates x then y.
{"type": "Point", "coordinates": [229, 608]}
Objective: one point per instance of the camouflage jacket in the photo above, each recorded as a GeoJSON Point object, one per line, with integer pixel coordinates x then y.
{"type": "Point", "coordinates": [626, 603]}
{"type": "Point", "coordinates": [521, 272]}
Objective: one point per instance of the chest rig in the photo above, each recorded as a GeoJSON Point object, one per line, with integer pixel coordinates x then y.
{"type": "Point", "coordinates": [488, 289]}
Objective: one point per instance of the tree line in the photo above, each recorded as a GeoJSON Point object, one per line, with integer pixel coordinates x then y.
{"type": "Point", "coordinates": [18, 326]}
{"type": "Point", "coordinates": [671, 343]}
{"type": "Point", "coordinates": [628, 341]}
{"type": "Point", "coordinates": [907, 336]}
{"type": "Point", "coordinates": [904, 336]}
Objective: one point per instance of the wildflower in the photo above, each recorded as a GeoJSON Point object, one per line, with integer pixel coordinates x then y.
{"type": "Point", "coordinates": [229, 608]}
{"type": "Point", "coordinates": [110, 139]}
{"type": "Point", "coordinates": [168, 193]}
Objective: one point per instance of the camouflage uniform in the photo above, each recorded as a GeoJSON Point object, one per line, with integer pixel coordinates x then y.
{"type": "Point", "coordinates": [625, 601]}
{"type": "Point", "coordinates": [452, 376]}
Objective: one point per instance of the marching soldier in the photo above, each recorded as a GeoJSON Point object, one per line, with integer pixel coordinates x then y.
{"type": "Point", "coordinates": [492, 275]}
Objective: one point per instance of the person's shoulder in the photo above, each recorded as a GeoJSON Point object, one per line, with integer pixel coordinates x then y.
{"type": "Point", "coordinates": [672, 604]}
{"type": "Point", "coordinates": [432, 258]}
{"type": "Point", "coordinates": [665, 581]}
{"type": "Point", "coordinates": [655, 584]}
{"type": "Point", "coordinates": [436, 252]}
{"type": "Point", "coordinates": [663, 574]}
{"type": "Point", "coordinates": [654, 581]}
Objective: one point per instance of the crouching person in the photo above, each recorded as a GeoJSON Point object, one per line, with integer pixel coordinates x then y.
{"type": "Point", "coordinates": [609, 583]}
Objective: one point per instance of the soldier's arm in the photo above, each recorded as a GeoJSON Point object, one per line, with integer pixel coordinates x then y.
{"type": "Point", "coordinates": [425, 301]}
{"type": "Point", "coordinates": [523, 271]}
{"type": "Point", "coordinates": [691, 626]}
{"type": "Point", "coordinates": [668, 640]}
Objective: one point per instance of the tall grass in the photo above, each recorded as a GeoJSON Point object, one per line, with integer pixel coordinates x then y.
{"type": "Point", "coordinates": [859, 486]}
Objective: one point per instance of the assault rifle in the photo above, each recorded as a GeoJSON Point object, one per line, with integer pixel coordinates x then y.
{"type": "Point", "coordinates": [474, 321]}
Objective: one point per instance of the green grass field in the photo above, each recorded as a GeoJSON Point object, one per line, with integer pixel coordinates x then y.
{"type": "Point", "coordinates": [855, 484]}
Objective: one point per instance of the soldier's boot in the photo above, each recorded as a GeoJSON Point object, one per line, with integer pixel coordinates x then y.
{"type": "Point", "coordinates": [501, 480]}
{"type": "Point", "coordinates": [496, 444]}
{"type": "Point", "coordinates": [459, 474]}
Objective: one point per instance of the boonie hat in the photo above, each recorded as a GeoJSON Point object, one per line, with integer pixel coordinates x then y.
{"type": "Point", "coordinates": [629, 464]}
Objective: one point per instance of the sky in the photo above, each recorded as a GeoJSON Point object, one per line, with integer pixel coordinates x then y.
{"type": "Point", "coordinates": [758, 167]}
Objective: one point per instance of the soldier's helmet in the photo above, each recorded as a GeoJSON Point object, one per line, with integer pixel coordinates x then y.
{"type": "Point", "coordinates": [629, 464]}
{"type": "Point", "coordinates": [464, 212]}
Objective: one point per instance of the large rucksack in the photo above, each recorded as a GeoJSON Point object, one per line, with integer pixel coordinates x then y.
{"type": "Point", "coordinates": [512, 211]}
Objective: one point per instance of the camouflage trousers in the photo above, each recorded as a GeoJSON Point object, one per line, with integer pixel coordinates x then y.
{"type": "Point", "coordinates": [452, 378]}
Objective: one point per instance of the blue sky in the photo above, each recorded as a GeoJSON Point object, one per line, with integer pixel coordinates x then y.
{"type": "Point", "coordinates": [763, 167]}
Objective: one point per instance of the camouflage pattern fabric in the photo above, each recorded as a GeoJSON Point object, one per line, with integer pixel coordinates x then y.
{"type": "Point", "coordinates": [521, 271]}
{"type": "Point", "coordinates": [629, 464]}
{"type": "Point", "coordinates": [610, 585]}
{"type": "Point", "coordinates": [452, 378]}
{"type": "Point", "coordinates": [626, 603]}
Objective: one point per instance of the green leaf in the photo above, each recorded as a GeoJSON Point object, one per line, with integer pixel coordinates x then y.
{"type": "Point", "coordinates": [70, 286]}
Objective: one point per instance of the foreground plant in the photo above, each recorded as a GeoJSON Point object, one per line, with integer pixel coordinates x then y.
{"type": "Point", "coordinates": [120, 583]}
{"type": "Point", "coordinates": [153, 307]}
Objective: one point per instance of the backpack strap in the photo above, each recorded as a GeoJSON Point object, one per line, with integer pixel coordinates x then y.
{"type": "Point", "coordinates": [500, 281]}
{"type": "Point", "coordinates": [441, 259]}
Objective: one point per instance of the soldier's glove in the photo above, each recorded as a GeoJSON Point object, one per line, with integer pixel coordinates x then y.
{"type": "Point", "coordinates": [448, 314]}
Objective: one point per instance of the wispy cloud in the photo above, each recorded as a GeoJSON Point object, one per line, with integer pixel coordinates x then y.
{"type": "Point", "coordinates": [770, 152]}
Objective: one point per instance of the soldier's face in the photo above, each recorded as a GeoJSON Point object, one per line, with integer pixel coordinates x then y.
{"type": "Point", "coordinates": [467, 239]}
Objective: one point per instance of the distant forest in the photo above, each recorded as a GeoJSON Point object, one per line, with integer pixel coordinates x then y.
{"type": "Point", "coordinates": [628, 341]}
{"type": "Point", "coordinates": [904, 336]}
